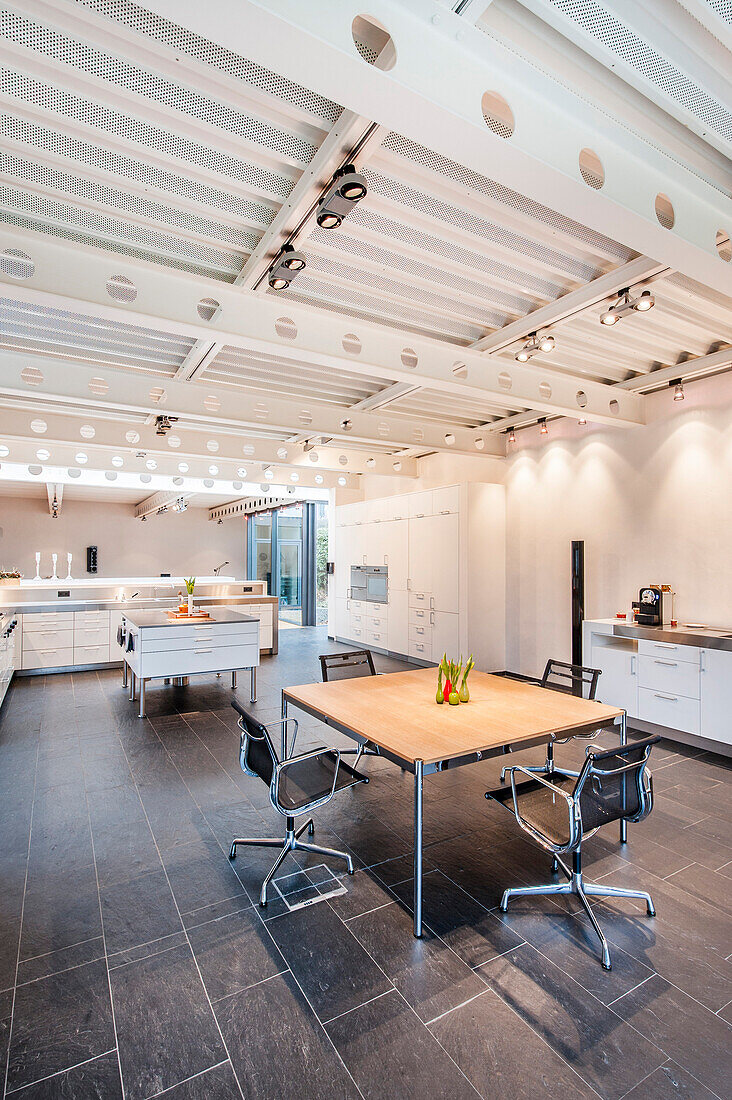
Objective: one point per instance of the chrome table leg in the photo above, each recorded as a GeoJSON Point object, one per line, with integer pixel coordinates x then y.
{"type": "Point", "coordinates": [124, 674]}
{"type": "Point", "coordinates": [233, 681]}
{"type": "Point", "coordinates": [418, 801]}
{"type": "Point", "coordinates": [142, 697]}
{"type": "Point", "coordinates": [623, 741]}
{"type": "Point", "coordinates": [284, 727]}
{"type": "Point", "coordinates": [253, 684]}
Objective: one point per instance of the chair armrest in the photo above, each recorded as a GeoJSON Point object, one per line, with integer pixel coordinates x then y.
{"type": "Point", "coordinates": [540, 837]}
{"type": "Point", "coordinates": [281, 769]}
{"type": "Point", "coordinates": [284, 723]}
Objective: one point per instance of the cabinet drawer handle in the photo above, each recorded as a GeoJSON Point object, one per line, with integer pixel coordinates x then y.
{"type": "Point", "coordinates": [665, 645]}
{"type": "Point", "coordinates": [420, 614]}
{"type": "Point", "coordinates": [420, 647]}
{"type": "Point", "coordinates": [419, 629]}
{"type": "Point", "coordinates": [669, 698]}
{"type": "Point", "coordinates": [420, 595]}
{"type": "Point", "coordinates": [419, 515]}
{"type": "Point", "coordinates": [203, 651]}
{"type": "Point", "coordinates": [444, 511]}
{"type": "Point", "coordinates": [671, 664]}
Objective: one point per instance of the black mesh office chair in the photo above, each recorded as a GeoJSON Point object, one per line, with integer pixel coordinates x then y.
{"type": "Point", "coordinates": [297, 785]}
{"type": "Point", "coordinates": [614, 784]}
{"type": "Point", "coordinates": [572, 680]}
{"type": "Point", "coordinates": [347, 666]}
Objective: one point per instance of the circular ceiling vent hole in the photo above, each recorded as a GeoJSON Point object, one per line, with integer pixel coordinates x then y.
{"type": "Point", "coordinates": [4, 450]}
{"type": "Point", "coordinates": [81, 458]}
{"type": "Point", "coordinates": [479, 443]}
{"type": "Point", "coordinates": [212, 403]}
{"type": "Point", "coordinates": [314, 456]}
{"type": "Point", "coordinates": [261, 412]}
{"type": "Point", "coordinates": [545, 391]}
{"type": "Point", "coordinates": [174, 441]}
{"type": "Point", "coordinates": [208, 482]}
{"type": "Point", "coordinates": [158, 395]}
{"type": "Point", "coordinates": [351, 343]}
{"type": "Point", "coordinates": [724, 246]}
{"type": "Point", "coordinates": [121, 288]}
{"type": "Point", "coordinates": [581, 398]}
{"type": "Point", "coordinates": [151, 464]}
{"type": "Point", "coordinates": [504, 380]}
{"type": "Point", "coordinates": [396, 466]}
{"type": "Point", "coordinates": [282, 453]}
{"type": "Point", "coordinates": [318, 479]}
{"type": "Point", "coordinates": [98, 386]}
{"type": "Point", "coordinates": [86, 431]}
{"type": "Point", "coordinates": [177, 480]}
{"type": "Point", "coordinates": [74, 471]}
{"type": "Point", "coordinates": [132, 436]}
{"type": "Point", "coordinates": [110, 475]}
{"type": "Point", "coordinates": [16, 265]}
{"type": "Point", "coordinates": [237, 485]}
{"type": "Point", "coordinates": [145, 478]}
{"type": "Point", "coordinates": [35, 470]}
{"type": "Point", "coordinates": [183, 467]}
{"type": "Point", "coordinates": [286, 328]}
{"type": "Point", "coordinates": [449, 439]}
{"type": "Point", "coordinates": [213, 470]}
{"type": "Point", "coordinates": [42, 454]}
{"type": "Point", "coordinates": [614, 407]}
{"type": "Point", "coordinates": [342, 481]}
{"type": "Point", "coordinates": [409, 358]}
{"type": "Point", "coordinates": [208, 308]}
{"type": "Point", "coordinates": [294, 476]}
{"type": "Point", "coordinates": [591, 169]}
{"type": "Point", "coordinates": [383, 429]}
{"type": "Point", "coordinates": [40, 427]}
{"type": "Point", "coordinates": [664, 211]}
{"type": "Point", "coordinates": [32, 376]}
{"type": "Point", "coordinates": [248, 449]}
{"type": "Point", "coordinates": [212, 446]}
{"type": "Point", "coordinates": [373, 42]}
{"type": "Point", "coordinates": [418, 435]}
{"type": "Point", "coordinates": [343, 460]}
{"type": "Point", "coordinates": [305, 417]}
{"type": "Point", "coordinates": [497, 114]}
{"type": "Point", "coordinates": [460, 369]}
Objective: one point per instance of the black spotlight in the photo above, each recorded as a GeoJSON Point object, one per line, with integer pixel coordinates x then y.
{"type": "Point", "coordinates": [348, 188]}
{"type": "Point", "coordinates": [287, 264]}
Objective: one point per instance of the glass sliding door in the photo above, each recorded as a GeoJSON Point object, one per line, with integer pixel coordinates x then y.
{"type": "Point", "coordinates": [321, 563]}
{"type": "Point", "coordinates": [288, 548]}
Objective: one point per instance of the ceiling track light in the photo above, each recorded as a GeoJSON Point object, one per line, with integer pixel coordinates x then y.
{"type": "Point", "coordinates": [511, 435]}
{"type": "Point", "coordinates": [542, 425]}
{"type": "Point", "coordinates": [537, 341]}
{"type": "Point", "coordinates": [678, 386]}
{"type": "Point", "coordinates": [627, 304]}
{"type": "Point", "coordinates": [287, 264]}
{"type": "Point", "coordinates": [346, 189]}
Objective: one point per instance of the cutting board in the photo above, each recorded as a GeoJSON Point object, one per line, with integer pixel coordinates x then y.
{"type": "Point", "coordinates": [184, 617]}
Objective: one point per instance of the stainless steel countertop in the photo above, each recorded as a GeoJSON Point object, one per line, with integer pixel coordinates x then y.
{"type": "Point", "coordinates": [705, 637]}
{"type": "Point", "coordinates": [141, 619]}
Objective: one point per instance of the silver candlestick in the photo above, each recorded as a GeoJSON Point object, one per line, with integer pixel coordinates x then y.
{"type": "Point", "coordinates": [38, 566]}
{"type": "Point", "coordinates": [68, 575]}
{"type": "Point", "coordinates": [54, 559]}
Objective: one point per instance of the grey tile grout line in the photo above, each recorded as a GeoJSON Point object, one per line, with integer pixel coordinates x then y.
{"type": "Point", "coordinates": [47, 954]}
{"type": "Point", "coordinates": [64, 970]}
{"type": "Point", "coordinates": [348, 1011]}
{"type": "Point", "coordinates": [193, 1077]}
{"type": "Point", "coordinates": [101, 914]}
{"type": "Point", "coordinates": [185, 932]}
{"type": "Point", "coordinates": [631, 990]}
{"type": "Point", "coordinates": [252, 985]}
{"type": "Point", "coordinates": [449, 1011]}
{"type": "Point", "coordinates": [59, 1072]}
{"type": "Point", "coordinates": [22, 915]}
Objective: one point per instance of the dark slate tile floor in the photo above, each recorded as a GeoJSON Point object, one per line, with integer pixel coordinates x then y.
{"type": "Point", "coordinates": [135, 962]}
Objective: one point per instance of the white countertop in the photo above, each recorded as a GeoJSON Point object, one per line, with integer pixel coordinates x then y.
{"type": "Point", "coordinates": [129, 582]}
{"type": "Point", "coordinates": [142, 619]}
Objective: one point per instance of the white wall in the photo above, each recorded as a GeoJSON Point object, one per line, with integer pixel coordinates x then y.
{"type": "Point", "coordinates": [183, 544]}
{"type": "Point", "coordinates": [653, 504]}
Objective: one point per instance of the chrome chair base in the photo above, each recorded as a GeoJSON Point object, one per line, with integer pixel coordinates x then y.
{"type": "Point", "coordinates": [291, 843]}
{"type": "Point", "coordinates": [583, 890]}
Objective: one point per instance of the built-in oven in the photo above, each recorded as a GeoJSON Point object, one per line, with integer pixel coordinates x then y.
{"type": "Point", "coordinates": [370, 582]}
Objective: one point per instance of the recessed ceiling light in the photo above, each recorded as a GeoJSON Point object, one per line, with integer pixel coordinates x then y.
{"type": "Point", "coordinates": [213, 470]}
{"type": "Point", "coordinates": [81, 458]}
{"type": "Point", "coordinates": [151, 464]}
{"type": "Point", "coordinates": [183, 467]}
{"type": "Point", "coordinates": [118, 461]}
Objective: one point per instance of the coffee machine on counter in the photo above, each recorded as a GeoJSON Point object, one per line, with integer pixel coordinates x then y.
{"type": "Point", "coordinates": [650, 609]}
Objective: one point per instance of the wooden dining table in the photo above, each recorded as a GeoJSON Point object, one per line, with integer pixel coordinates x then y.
{"type": "Point", "coordinates": [398, 714]}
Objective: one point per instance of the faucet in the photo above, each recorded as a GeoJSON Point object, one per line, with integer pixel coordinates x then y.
{"type": "Point", "coordinates": [218, 568]}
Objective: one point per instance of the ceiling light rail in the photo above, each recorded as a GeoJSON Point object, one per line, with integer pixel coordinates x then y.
{"type": "Point", "coordinates": [626, 305]}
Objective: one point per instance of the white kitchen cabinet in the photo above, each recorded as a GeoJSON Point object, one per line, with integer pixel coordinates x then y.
{"type": "Point", "coordinates": [445, 635]}
{"type": "Point", "coordinates": [662, 708]}
{"type": "Point", "coordinates": [342, 617]}
{"type": "Point", "coordinates": [420, 554]}
{"type": "Point", "coordinates": [716, 695]}
{"type": "Point", "coordinates": [444, 556]}
{"type": "Point", "coordinates": [395, 542]}
{"type": "Point", "coordinates": [618, 682]}
{"type": "Point", "coordinates": [397, 632]}
{"type": "Point", "coordinates": [446, 500]}
{"type": "Point", "coordinates": [420, 504]}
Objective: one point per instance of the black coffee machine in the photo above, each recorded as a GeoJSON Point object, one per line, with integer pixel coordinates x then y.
{"type": "Point", "coordinates": [649, 606]}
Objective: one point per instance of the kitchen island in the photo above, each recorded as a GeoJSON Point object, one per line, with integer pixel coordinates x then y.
{"type": "Point", "coordinates": [157, 646]}
{"type": "Point", "coordinates": [676, 681]}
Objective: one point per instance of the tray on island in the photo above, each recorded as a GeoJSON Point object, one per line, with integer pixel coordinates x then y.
{"type": "Point", "coordinates": [183, 616]}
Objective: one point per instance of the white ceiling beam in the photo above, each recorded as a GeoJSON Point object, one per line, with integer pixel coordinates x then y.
{"type": "Point", "coordinates": [699, 58]}
{"type": "Point", "coordinates": [711, 19]}
{"type": "Point", "coordinates": [163, 499]}
{"type": "Point", "coordinates": [255, 409]}
{"type": "Point", "coordinates": [167, 300]}
{"type": "Point", "coordinates": [433, 96]}
{"type": "Point", "coordinates": [641, 270]}
{"type": "Point", "coordinates": [385, 397]}
{"type": "Point", "coordinates": [111, 423]}
{"type": "Point", "coordinates": [714, 363]}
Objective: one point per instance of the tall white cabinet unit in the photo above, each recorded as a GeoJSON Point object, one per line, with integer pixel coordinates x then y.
{"type": "Point", "coordinates": [445, 552]}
